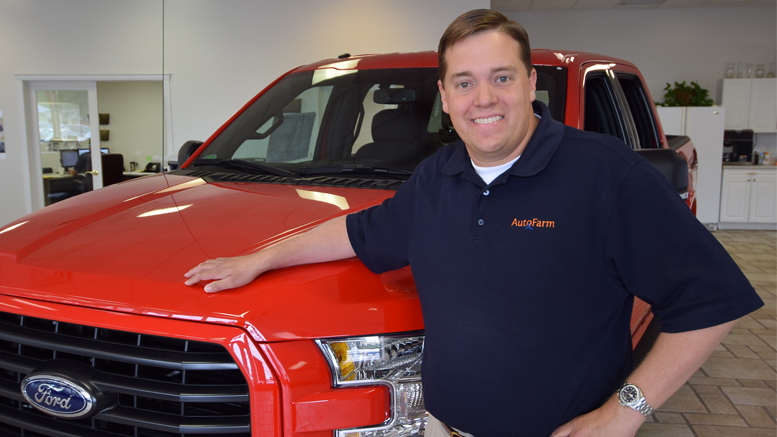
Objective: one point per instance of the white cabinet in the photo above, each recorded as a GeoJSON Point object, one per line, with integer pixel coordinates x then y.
{"type": "Point", "coordinates": [763, 105]}
{"type": "Point", "coordinates": [749, 195]}
{"type": "Point", "coordinates": [751, 104]}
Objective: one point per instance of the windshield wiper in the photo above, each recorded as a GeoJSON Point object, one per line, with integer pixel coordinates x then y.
{"type": "Point", "coordinates": [354, 169]}
{"type": "Point", "coordinates": [251, 167]}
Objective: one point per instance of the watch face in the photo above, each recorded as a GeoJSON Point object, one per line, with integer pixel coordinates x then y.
{"type": "Point", "coordinates": [629, 394]}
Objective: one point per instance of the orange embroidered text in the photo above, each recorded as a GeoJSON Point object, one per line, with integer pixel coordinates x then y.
{"type": "Point", "coordinates": [533, 223]}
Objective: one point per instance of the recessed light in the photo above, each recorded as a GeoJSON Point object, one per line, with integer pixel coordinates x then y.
{"type": "Point", "coordinates": [640, 2]}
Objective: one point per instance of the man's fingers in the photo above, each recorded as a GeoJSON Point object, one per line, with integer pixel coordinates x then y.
{"type": "Point", "coordinates": [203, 272]}
{"type": "Point", "coordinates": [225, 272]}
{"type": "Point", "coordinates": [217, 286]}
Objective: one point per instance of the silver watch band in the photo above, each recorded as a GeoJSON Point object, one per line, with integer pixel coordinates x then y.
{"type": "Point", "coordinates": [643, 407]}
{"type": "Point", "coordinates": [629, 395]}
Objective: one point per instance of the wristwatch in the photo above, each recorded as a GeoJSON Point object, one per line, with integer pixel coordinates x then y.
{"type": "Point", "coordinates": [629, 395]}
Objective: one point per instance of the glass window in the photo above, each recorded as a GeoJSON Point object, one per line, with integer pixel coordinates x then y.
{"type": "Point", "coordinates": [332, 118]}
{"type": "Point", "coordinates": [641, 110]}
{"type": "Point", "coordinates": [601, 114]}
{"type": "Point", "coordinates": [552, 89]}
{"type": "Point", "coordinates": [288, 135]}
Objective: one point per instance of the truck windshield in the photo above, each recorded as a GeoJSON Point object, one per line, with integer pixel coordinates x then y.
{"type": "Point", "coordinates": [351, 121]}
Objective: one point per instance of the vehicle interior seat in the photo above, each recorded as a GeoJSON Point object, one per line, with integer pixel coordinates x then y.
{"type": "Point", "coordinates": [398, 137]}
{"type": "Point", "coordinates": [113, 168]}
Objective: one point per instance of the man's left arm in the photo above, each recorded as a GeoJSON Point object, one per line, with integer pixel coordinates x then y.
{"type": "Point", "coordinates": [672, 361]}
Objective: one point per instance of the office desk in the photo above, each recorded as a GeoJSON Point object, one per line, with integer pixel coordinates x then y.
{"type": "Point", "coordinates": [58, 187]}
{"type": "Point", "coordinates": [135, 174]}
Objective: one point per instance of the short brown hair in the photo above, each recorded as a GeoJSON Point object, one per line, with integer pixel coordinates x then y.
{"type": "Point", "coordinates": [480, 20]}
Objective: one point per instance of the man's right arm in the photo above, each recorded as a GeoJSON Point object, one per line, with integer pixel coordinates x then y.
{"type": "Point", "coordinates": [328, 242]}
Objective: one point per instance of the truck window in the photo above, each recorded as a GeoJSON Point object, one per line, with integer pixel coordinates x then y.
{"type": "Point", "coordinates": [288, 137]}
{"type": "Point", "coordinates": [601, 114]}
{"type": "Point", "coordinates": [641, 110]}
{"type": "Point", "coordinates": [330, 118]}
{"type": "Point", "coordinates": [552, 89]}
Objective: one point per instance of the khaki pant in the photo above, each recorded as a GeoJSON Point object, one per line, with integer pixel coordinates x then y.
{"type": "Point", "coordinates": [435, 428]}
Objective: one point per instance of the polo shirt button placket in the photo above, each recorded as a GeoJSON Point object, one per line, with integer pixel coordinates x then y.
{"type": "Point", "coordinates": [479, 231]}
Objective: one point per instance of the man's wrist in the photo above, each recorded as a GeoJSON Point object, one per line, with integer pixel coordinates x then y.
{"type": "Point", "coordinates": [624, 416]}
{"type": "Point", "coordinates": [631, 396]}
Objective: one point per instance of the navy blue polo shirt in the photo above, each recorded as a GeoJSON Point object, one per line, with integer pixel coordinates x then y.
{"type": "Point", "coordinates": [527, 284]}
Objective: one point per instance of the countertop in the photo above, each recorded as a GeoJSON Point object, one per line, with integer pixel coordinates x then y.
{"type": "Point", "coordinates": [749, 165]}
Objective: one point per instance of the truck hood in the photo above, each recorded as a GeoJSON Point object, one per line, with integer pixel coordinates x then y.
{"type": "Point", "coordinates": [126, 247]}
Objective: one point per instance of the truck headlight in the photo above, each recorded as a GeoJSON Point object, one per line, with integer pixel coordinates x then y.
{"type": "Point", "coordinates": [391, 360]}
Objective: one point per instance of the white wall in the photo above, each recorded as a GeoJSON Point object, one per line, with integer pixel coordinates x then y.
{"type": "Point", "coordinates": [135, 128]}
{"type": "Point", "coordinates": [667, 45]}
{"type": "Point", "coordinates": [219, 53]}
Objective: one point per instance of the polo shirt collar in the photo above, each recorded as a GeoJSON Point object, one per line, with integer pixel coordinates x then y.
{"type": "Point", "coordinates": [542, 145]}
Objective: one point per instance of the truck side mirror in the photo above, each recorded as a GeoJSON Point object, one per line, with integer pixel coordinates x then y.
{"type": "Point", "coordinates": [673, 166]}
{"type": "Point", "coordinates": [187, 150]}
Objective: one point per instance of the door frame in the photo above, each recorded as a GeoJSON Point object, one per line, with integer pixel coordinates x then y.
{"type": "Point", "coordinates": [32, 173]}
{"type": "Point", "coordinates": [90, 87]}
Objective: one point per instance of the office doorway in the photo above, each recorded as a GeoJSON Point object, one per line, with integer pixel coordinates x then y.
{"type": "Point", "coordinates": [63, 124]}
{"type": "Point", "coordinates": [64, 127]}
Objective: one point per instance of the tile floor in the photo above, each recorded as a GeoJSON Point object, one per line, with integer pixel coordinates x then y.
{"type": "Point", "coordinates": [734, 394]}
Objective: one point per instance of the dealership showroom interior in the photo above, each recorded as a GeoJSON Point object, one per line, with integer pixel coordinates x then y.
{"type": "Point", "coordinates": [193, 192]}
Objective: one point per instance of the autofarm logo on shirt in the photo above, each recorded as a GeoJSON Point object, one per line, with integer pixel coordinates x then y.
{"type": "Point", "coordinates": [533, 223]}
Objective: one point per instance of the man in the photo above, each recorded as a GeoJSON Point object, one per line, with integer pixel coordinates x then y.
{"type": "Point", "coordinates": [83, 165]}
{"type": "Point", "coordinates": [527, 329]}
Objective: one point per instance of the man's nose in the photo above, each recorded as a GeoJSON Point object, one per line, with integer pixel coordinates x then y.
{"type": "Point", "coordinates": [485, 95]}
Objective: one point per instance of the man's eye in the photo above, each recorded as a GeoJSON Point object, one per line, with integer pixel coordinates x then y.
{"type": "Point", "coordinates": [464, 85]}
{"type": "Point", "coordinates": [502, 79]}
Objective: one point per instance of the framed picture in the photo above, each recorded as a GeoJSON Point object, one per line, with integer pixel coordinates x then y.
{"type": "Point", "coordinates": [2, 137]}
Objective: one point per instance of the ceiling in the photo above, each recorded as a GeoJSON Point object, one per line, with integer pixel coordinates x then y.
{"type": "Point", "coordinates": [559, 5]}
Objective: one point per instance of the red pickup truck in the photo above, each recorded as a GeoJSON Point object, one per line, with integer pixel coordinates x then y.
{"type": "Point", "coordinates": [99, 336]}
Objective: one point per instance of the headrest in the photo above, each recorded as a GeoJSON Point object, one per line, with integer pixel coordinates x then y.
{"type": "Point", "coordinates": [395, 125]}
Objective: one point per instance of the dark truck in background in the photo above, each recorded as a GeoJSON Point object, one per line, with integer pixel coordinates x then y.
{"type": "Point", "coordinates": [100, 337]}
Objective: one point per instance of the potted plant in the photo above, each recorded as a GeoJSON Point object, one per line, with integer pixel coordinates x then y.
{"type": "Point", "coordinates": [685, 95]}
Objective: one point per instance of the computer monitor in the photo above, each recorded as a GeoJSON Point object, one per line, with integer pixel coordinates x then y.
{"type": "Point", "coordinates": [68, 158]}
{"type": "Point", "coordinates": [102, 150]}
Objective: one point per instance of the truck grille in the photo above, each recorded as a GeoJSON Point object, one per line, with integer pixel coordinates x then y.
{"type": "Point", "coordinates": [163, 386]}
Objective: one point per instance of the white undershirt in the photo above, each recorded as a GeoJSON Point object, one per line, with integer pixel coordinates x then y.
{"type": "Point", "coordinates": [488, 174]}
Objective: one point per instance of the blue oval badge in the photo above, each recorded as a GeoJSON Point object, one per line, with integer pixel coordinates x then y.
{"type": "Point", "coordinates": [57, 396]}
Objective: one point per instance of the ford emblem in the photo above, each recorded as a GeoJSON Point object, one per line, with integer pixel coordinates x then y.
{"type": "Point", "coordinates": [57, 396]}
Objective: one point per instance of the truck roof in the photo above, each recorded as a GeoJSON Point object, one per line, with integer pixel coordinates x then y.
{"type": "Point", "coordinates": [560, 58]}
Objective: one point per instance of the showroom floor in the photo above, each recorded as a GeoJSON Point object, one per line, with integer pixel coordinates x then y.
{"type": "Point", "coordinates": [734, 394]}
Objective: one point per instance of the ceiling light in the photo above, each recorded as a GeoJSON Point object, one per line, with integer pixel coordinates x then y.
{"type": "Point", "coordinates": [640, 2]}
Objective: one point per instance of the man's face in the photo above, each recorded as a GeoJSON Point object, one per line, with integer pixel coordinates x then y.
{"type": "Point", "coordinates": [488, 94]}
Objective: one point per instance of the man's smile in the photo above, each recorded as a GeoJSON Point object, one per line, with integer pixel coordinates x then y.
{"type": "Point", "coordinates": [488, 120]}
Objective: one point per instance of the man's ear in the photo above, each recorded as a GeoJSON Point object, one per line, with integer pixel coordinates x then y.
{"type": "Point", "coordinates": [533, 84]}
{"type": "Point", "coordinates": [443, 97]}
